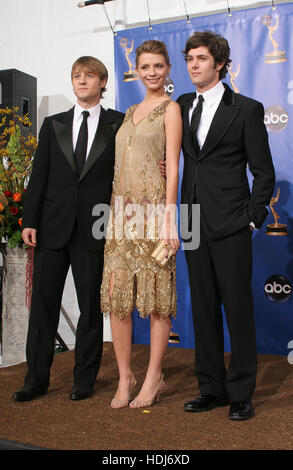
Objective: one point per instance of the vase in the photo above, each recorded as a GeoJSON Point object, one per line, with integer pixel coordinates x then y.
{"type": "Point", "coordinates": [15, 314]}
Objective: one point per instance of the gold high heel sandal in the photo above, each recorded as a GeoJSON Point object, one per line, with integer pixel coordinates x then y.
{"type": "Point", "coordinates": [124, 403]}
{"type": "Point", "coordinates": [156, 397]}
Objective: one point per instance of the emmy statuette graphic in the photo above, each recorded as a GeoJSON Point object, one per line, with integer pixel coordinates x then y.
{"type": "Point", "coordinates": [130, 75]}
{"type": "Point", "coordinates": [275, 56]}
{"type": "Point", "coordinates": [234, 75]}
{"type": "Point", "coordinates": [276, 228]}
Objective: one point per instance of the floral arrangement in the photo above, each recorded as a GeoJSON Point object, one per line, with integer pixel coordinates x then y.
{"type": "Point", "coordinates": [16, 157]}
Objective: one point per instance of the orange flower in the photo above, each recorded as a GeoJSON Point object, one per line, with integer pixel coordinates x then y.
{"type": "Point", "coordinates": [20, 222]}
{"type": "Point", "coordinates": [17, 197]}
{"type": "Point", "coordinates": [1, 207]}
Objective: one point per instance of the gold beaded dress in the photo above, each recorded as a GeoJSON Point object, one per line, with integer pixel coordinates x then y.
{"type": "Point", "coordinates": [137, 204]}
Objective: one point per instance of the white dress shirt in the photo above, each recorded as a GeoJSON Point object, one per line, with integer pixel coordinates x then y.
{"type": "Point", "coordinates": [210, 104]}
{"type": "Point", "coordinates": [92, 123]}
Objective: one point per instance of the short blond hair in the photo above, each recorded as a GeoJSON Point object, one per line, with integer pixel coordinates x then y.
{"type": "Point", "coordinates": [93, 65]}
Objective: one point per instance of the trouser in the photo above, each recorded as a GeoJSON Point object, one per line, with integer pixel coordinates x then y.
{"type": "Point", "coordinates": [220, 274]}
{"type": "Point", "coordinates": [50, 272]}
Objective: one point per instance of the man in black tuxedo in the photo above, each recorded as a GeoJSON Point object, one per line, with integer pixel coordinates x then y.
{"type": "Point", "coordinates": [223, 133]}
{"type": "Point", "coordinates": [72, 172]}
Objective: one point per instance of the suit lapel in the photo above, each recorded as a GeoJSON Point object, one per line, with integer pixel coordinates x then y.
{"type": "Point", "coordinates": [63, 131]}
{"type": "Point", "coordinates": [103, 135]}
{"type": "Point", "coordinates": [187, 135]}
{"type": "Point", "coordinates": [223, 118]}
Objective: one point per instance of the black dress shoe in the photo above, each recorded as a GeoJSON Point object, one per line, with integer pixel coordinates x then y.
{"type": "Point", "coordinates": [205, 402]}
{"type": "Point", "coordinates": [80, 394]}
{"type": "Point", "coordinates": [29, 393]}
{"type": "Point", "coordinates": [241, 410]}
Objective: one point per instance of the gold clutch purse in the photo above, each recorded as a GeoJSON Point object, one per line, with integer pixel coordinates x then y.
{"type": "Point", "coordinates": [158, 254]}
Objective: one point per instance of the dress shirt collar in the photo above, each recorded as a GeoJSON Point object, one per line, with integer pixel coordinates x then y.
{"type": "Point", "coordinates": [94, 112]}
{"type": "Point", "coordinates": [214, 94]}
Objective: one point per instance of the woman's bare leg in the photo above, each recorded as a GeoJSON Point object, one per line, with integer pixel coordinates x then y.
{"type": "Point", "coordinates": [160, 333]}
{"type": "Point", "coordinates": [121, 335]}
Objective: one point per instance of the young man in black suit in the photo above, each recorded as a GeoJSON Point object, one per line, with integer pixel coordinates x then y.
{"type": "Point", "coordinates": [72, 172]}
{"type": "Point", "coordinates": [223, 133]}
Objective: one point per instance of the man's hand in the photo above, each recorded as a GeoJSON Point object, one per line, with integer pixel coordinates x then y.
{"type": "Point", "coordinates": [162, 168]}
{"type": "Point", "coordinates": [29, 236]}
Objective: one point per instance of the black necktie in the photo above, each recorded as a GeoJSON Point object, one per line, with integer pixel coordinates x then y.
{"type": "Point", "coordinates": [195, 120]}
{"type": "Point", "coordinates": [81, 144]}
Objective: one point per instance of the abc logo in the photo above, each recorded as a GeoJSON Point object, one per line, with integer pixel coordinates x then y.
{"type": "Point", "coordinates": [278, 289]}
{"type": "Point", "coordinates": [276, 118]}
{"type": "Point", "coordinates": [169, 86]}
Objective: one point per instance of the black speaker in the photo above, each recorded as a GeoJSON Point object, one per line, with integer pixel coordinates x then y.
{"type": "Point", "coordinates": [19, 89]}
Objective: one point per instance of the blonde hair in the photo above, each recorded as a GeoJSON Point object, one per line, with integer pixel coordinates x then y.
{"type": "Point", "coordinates": [154, 47]}
{"type": "Point", "coordinates": [93, 65]}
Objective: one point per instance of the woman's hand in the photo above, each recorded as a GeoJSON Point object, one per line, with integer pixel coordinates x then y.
{"type": "Point", "coordinates": [169, 233]}
{"type": "Point", "coordinates": [162, 168]}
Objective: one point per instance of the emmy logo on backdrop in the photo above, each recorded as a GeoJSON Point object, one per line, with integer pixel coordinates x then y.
{"type": "Point", "coordinates": [234, 75]}
{"type": "Point", "coordinates": [130, 75]}
{"type": "Point", "coordinates": [276, 228]}
{"type": "Point", "coordinates": [275, 56]}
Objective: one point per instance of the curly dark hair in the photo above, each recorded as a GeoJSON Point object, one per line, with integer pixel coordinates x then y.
{"type": "Point", "coordinates": [216, 44]}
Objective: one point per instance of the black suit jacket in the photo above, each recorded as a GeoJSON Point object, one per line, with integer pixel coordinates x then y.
{"type": "Point", "coordinates": [56, 198]}
{"type": "Point", "coordinates": [216, 177]}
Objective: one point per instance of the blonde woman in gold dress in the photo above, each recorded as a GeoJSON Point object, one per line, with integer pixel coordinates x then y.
{"type": "Point", "coordinates": [151, 131]}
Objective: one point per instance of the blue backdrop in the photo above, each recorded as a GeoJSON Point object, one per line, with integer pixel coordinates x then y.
{"type": "Point", "coordinates": [262, 68]}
